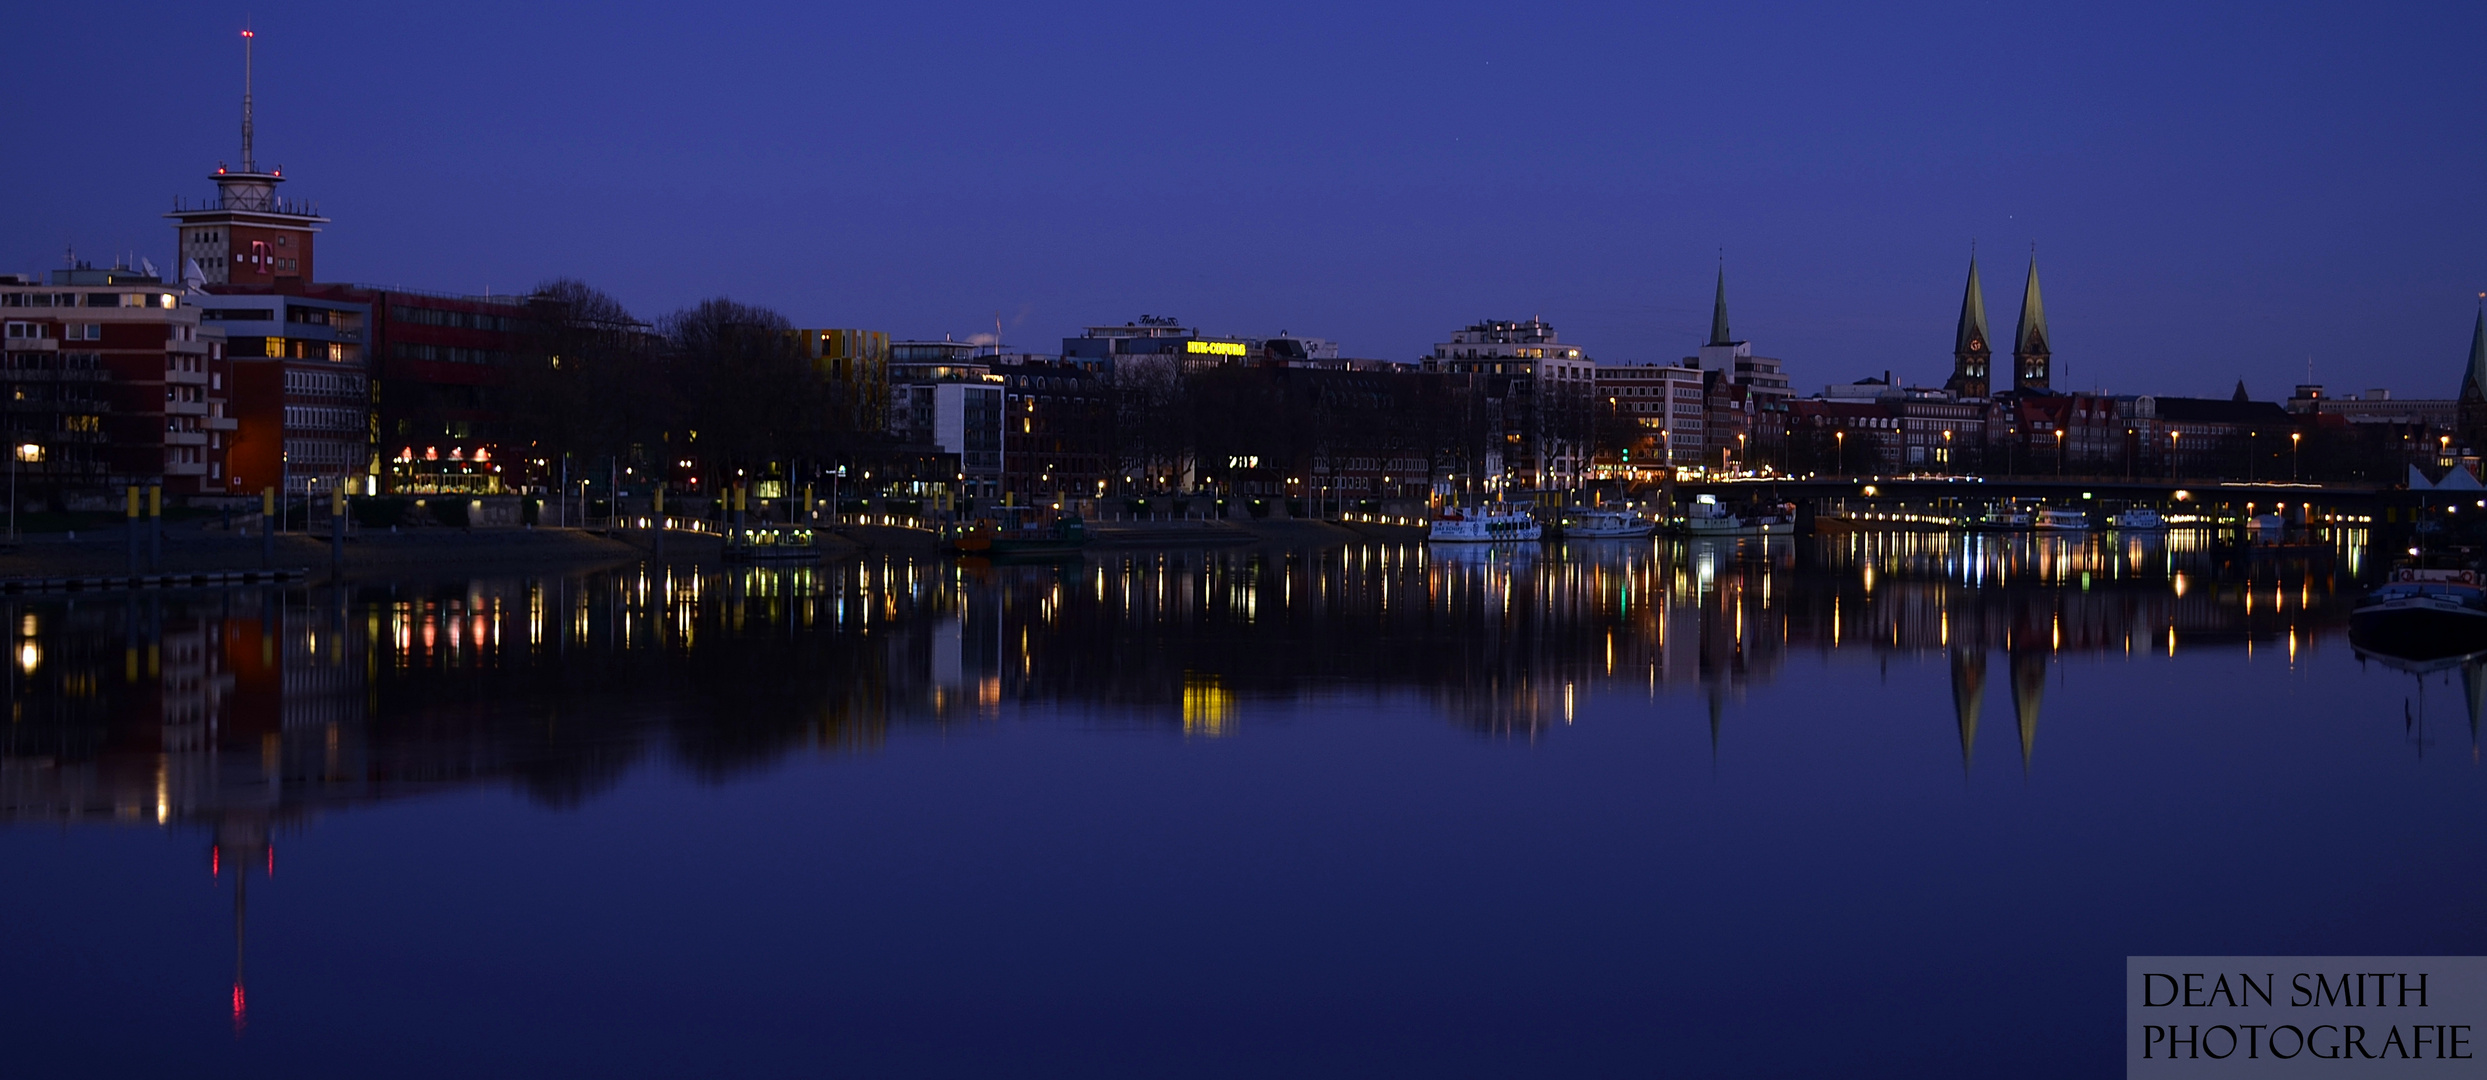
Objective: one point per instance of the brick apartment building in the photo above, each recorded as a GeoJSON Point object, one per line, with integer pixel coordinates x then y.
{"type": "Point", "coordinates": [108, 379]}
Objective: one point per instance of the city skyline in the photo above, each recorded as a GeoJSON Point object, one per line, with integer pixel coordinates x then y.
{"type": "Point", "coordinates": [1363, 217]}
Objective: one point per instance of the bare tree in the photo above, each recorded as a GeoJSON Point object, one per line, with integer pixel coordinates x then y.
{"type": "Point", "coordinates": [590, 387]}
{"type": "Point", "coordinates": [749, 395]}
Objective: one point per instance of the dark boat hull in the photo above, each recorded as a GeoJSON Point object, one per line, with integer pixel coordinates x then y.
{"type": "Point", "coordinates": [2419, 633]}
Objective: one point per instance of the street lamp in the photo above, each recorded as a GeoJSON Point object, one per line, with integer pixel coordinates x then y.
{"type": "Point", "coordinates": [1947, 449]}
{"type": "Point", "coordinates": [2292, 454]}
{"type": "Point", "coordinates": [27, 452]}
{"type": "Point", "coordinates": [2171, 452]}
{"type": "Point", "coordinates": [2059, 453]}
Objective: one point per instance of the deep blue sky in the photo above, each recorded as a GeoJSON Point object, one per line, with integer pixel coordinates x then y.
{"type": "Point", "coordinates": [2215, 191]}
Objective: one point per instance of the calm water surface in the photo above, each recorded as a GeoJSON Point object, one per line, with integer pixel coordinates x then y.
{"type": "Point", "coordinates": [1873, 806]}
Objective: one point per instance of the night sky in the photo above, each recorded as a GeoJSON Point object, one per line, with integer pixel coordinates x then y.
{"type": "Point", "coordinates": [2215, 192]}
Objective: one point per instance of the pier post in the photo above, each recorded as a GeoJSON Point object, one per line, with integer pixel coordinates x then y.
{"type": "Point", "coordinates": [656, 519]}
{"type": "Point", "coordinates": [267, 528]}
{"type": "Point", "coordinates": [336, 526]}
{"type": "Point", "coordinates": [155, 528]}
{"type": "Point", "coordinates": [131, 516]}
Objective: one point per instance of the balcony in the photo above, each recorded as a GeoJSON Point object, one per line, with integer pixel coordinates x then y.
{"type": "Point", "coordinates": [185, 468]}
{"type": "Point", "coordinates": [186, 378]}
{"type": "Point", "coordinates": [217, 423]}
{"type": "Point", "coordinates": [185, 408]}
{"type": "Point", "coordinates": [185, 438]}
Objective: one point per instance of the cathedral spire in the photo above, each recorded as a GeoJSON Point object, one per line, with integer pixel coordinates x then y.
{"type": "Point", "coordinates": [1718, 312]}
{"type": "Point", "coordinates": [1970, 349]}
{"type": "Point", "coordinates": [2030, 352]}
{"type": "Point", "coordinates": [2474, 381]}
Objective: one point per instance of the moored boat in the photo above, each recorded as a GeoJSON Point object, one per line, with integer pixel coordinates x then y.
{"type": "Point", "coordinates": [2004, 517]}
{"type": "Point", "coordinates": [771, 543]}
{"type": "Point", "coordinates": [1022, 530]}
{"type": "Point", "coordinates": [1586, 524]}
{"type": "Point", "coordinates": [2060, 521]}
{"type": "Point", "coordinates": [1483, 525]}
{"type": "Point", "coordinates": [1709, 517]}
{"type": "Point", "coordinates": [2423, 614]}
{"type": "Point", "coordinates": [2137, 519]}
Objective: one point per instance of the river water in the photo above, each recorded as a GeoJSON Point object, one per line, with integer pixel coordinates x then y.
{"type": "Point", "coordinates": [1876, 805]}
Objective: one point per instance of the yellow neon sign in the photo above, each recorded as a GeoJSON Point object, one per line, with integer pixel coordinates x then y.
{"type": "Point", "coordinates": [1214, 348]}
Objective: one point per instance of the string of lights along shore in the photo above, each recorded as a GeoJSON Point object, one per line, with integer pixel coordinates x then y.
{"type": "Point", "coordinates": [234, 369]}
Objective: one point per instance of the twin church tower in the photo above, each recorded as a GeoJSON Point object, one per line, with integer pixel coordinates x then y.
{"type": "Point", "coordinates": [1973, 353]}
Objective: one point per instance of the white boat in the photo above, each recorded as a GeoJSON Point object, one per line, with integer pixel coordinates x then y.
{"type": "Point", "coordinates": [2137, 519]}
{"type": "Point", "coordinates": [1604, 525]}
{"type": "Point", "coordinates": [2061, 521]}
{"type": "Point", "coordinates": [2004, 518]}
{"type": "Point", "coordinates": [1708, 517]}
{"type": "Point", "coordinates": [1483, 525]}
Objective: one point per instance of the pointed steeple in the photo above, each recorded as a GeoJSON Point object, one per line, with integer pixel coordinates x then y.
{"type": "Point", "coordinates": [2029, 685]}
{"type": "Point", "coordinates": [2470, 409]}
{"type": "Point", "coordinates": [2474, 381]}
{"type": "Point", "coordinates": [1718, 312]}
{"type": "Point", "coordinates": [1971, 335]}
{"type": "Point", "coordinates": [1972, 348]}
{"type": "Point", "coordinates": [2240, 394]}
{"type": "Point", "coordinates": [1968, 697]}
{"type": "Point", "coordinates": [2030, 353]}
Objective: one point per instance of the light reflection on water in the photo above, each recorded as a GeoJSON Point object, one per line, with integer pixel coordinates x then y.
{"type": "Point", "coordinates": [172, 705]}
{"type": "Point", "coordinates": [237, 716]}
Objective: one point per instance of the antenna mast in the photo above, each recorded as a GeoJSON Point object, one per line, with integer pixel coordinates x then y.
{"type": "Point", "coordinates": [248, 165]}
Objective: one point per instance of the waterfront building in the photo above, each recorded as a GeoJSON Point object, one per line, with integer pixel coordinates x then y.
{"type": "Point", "coordinates": [301, 392]}
{"type": "Point", "coordinates": [435, 364]}
{"type": "Point", "coordinates": [2377, 406]}
{"type": "Point", "coordinates": [1541, 390]}
{"type": "Point", "coordinates": [1762, 376]}
{"type": "Point", "coordinates": [2180, 436]}
{"type": "Point", "coordinates": [109, 379]}
{"type": "Point", "coordinates": [941, 398]}
{"type": "Point", "coordinates": [855, 361]}
{"type": "Point", "coordinates": [1154, 338]}
{"type": "Point", "coordinates": [1664, 403]}
{"type": "Point", "coordinates": [1843, 437]}
{"type": "Point", "coordinates": [1058, 425]}
{"type": "Point", "coordinates": [247, 234]}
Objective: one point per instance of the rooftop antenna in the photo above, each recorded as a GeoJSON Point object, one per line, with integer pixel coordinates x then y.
{"type": "Point", "coordinates": [248, 165]}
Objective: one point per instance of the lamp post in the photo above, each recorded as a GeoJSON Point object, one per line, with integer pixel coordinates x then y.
{"type": "Point", "coordinates": [2293, 437]}
{"type": "Point", "coordinates": [1947, 450]}
{"type": "Point", "coordinates": [2172, 444]}
{"type": "Point", "coordinates": [25, 452]}
{"type": "Point", "coordinates": [2059, 453]}
{"type": "Point", "coordinates": [1841, 438]}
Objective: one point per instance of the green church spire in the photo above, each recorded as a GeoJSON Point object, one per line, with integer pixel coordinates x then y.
{"type": "Point", "coordinates": [1718, 312]}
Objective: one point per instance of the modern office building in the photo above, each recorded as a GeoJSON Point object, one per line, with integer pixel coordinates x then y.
{"type": "Point", "coordinates": [940, 397]}
{"type": "Point", "coordinates": [301, 390]}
